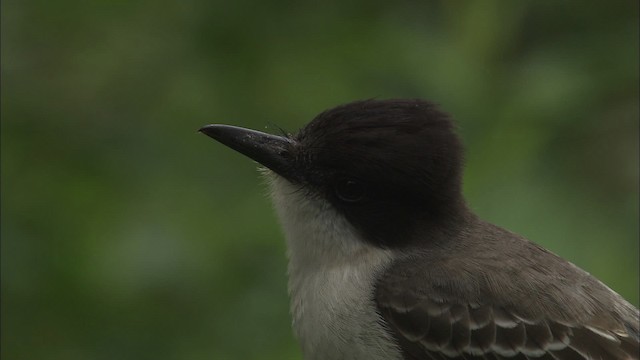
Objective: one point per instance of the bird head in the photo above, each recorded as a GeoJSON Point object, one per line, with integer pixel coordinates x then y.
{"type": "Point", "coordinates": [390, 167]}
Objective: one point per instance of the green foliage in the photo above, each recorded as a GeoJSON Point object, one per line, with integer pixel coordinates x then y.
{"type": "Point", "coordinates": [127, 235]}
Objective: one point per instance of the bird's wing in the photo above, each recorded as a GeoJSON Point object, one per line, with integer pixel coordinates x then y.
{"type": "Point", "coordinates": [435, 330]}
{"type": "Point", "coordinates": [461, 319]}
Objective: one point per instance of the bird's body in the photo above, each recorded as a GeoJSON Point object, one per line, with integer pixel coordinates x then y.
{"type": "Point", "coordinates": [386, 261]}
{"type": "Point", "coordinates": [503, 297]}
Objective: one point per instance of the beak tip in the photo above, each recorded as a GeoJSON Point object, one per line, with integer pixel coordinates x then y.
{"type": "Point", "coordinates": [207, 129]}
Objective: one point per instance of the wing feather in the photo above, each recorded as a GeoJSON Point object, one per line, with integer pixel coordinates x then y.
{"type": "Point", "coordinates": [492, 294]}
{"type": "Point", "coordinates": [449, 333]}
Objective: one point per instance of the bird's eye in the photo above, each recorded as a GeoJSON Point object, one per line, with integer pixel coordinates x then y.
{"type": "Point", "coordinates": [349, 190]}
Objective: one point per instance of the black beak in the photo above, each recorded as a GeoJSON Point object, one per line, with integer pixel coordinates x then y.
{"type": "Point", "coordinates": [269, 150]}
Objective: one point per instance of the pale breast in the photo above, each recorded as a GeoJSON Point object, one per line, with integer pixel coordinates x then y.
{"type": "Point", "coordinates": [334, 315]}
{"type": "Point", "coordinates": [331, 281]}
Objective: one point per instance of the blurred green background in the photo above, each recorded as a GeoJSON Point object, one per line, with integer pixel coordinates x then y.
{"type": "Point", "coordinates": [128, 235]}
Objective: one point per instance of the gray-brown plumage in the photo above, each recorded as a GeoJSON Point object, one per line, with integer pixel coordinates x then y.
{"type": "Point", "coordinates": [492, 294]}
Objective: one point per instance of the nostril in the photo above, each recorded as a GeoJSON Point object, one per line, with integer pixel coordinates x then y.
{"type": "Point", "coordinates": [283, 152]}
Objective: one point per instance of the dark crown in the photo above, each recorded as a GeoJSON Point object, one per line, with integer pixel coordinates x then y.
{"type": "Point", "coordinates": [400, 159]}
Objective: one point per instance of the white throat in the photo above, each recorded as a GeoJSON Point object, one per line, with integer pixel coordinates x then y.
{"type": "Point", "coordinates": [331, 280]}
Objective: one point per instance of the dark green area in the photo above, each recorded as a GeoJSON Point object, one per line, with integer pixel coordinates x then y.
{"type": "Point", "coordinates": [128, 235]}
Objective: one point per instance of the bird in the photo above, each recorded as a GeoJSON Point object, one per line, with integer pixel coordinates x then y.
{"type": "Point", "coordinates": [387, 261]}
